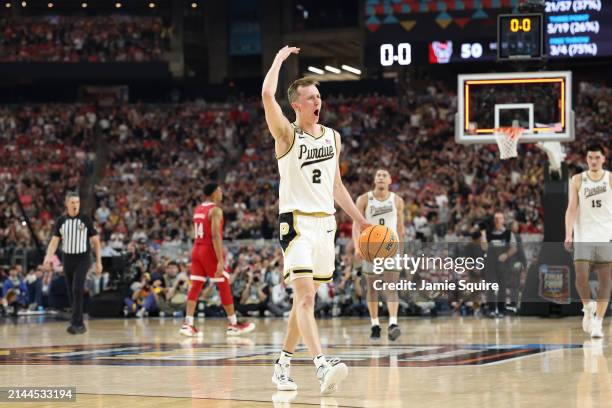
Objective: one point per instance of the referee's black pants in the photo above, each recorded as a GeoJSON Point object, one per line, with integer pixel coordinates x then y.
{"type": "Point", "coordinates": [75, 268]}
{"type": "Point", "coordinates": [496, 272]}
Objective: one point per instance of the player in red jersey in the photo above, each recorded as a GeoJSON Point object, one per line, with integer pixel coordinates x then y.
{"type": "Point", "coordinates": [207, 261]}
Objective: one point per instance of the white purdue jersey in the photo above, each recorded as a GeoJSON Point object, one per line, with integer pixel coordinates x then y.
{"type": "Point", "coordinates": [594, 220]}
{"type": "Point", "coordinates": [382, 212]}
{"type": "Point", "coordinates": [307, 173]}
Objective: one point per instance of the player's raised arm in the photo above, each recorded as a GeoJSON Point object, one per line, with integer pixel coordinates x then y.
{"type": "Point", "coordinates": [342, 196]}
{"type": "Point", "coordinates": [572, 210]}
{"type": "Point", "coordinates": [277, 122]}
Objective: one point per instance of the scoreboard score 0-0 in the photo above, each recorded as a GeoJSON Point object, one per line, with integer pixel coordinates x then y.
{"type": "Point", "coordinates": [520, 36]}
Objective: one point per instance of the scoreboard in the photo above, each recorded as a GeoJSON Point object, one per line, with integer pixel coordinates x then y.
{"type": "Point", "coordinates": [519, 36]}
{"type": "Point", "coordinates": [405, 32]}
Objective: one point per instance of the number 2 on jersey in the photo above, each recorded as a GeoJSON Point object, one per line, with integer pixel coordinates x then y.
{"type": "Point", "coordinates": [198, 230]}
{"type": "Point", "coordinates": [316, 176]}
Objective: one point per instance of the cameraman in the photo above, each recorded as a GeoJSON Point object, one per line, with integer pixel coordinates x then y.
{"type": "Point", "coordinates": [255, 294]}
{"type": "Point", "coordinates": [172, 298]}
{"type": "Point", "coordinates": [499, 243]}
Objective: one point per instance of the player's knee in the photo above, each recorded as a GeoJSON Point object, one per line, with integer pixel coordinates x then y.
{"type": "Point", "coordinates": [307, 301]}
{"type": "Point", "coordinates": [194, 290]}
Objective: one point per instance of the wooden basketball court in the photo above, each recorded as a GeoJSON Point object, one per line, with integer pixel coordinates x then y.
{"type": "Point", "coordinates": [444, 362]}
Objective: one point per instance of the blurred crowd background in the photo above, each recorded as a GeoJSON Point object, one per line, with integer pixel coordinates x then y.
{"type": "Point", "coordinates": [157, 158]}
{"type": "Point", "coordinates": [108, 38]}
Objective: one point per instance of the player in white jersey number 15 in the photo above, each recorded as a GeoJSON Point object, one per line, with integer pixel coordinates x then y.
{"type": "Point", "coordinates": [310, 182]}
{"type": "Point", "coordinates": [588, 228]}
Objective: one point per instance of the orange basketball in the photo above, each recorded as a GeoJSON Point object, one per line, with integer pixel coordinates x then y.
{"type": "Point", "coordinates": [378, 241]}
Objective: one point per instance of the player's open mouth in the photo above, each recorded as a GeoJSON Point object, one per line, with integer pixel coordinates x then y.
{"type": "Point", "coordinates": [316, 112]}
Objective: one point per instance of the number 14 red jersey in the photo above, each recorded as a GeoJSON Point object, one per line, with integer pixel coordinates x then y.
{"type": "Point", "coordinates": [202, 226]}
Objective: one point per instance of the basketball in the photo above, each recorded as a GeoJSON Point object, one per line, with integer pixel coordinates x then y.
{"type": "Point", "coordinates": [377, 241]}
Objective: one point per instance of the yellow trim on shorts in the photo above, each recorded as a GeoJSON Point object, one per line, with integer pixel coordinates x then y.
{"type": "Point", "coordinates": [305, 269]}
{"type": "Point", "coordinates": [593, 262]}
{"type": "Point", "coordinates": [319, 214]}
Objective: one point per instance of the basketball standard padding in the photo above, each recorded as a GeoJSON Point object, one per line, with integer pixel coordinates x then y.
{"type": "Point", "coordinates": [377, 241]}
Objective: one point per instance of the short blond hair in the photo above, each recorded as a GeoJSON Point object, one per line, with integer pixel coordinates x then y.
{"type": "Point", "coordinates": [292, 91]}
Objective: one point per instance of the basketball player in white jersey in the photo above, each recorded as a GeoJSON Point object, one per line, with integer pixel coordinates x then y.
{"type": "Point", "coordinates": [383, 207]}
{"type": "Point", "coordinates": [310, 181]}
{"type": "Point", "coordinates": [589, 218]}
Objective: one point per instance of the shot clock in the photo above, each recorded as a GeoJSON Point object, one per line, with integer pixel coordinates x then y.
{"type": "Point", "coordinates": [520, 36]}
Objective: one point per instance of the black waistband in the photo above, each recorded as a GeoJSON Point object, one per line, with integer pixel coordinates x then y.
{"type": "Point", "coordinates": [77, 256]}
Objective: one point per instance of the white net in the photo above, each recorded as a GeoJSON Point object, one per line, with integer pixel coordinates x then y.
{"type": "Point", "coordinates": [507, 140]}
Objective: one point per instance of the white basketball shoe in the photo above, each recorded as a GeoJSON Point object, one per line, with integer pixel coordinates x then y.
{"type": "Point", "coordinates": [330, 376]}
{"type": "Point", "coordinates": [589, 314]}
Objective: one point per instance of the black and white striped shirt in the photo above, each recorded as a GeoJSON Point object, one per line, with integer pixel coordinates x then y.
{"type": "Point", "coordinates": [74, 233]}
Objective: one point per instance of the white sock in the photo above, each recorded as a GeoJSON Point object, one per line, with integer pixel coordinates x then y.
{"type": "Point", "coordinates": [375, 322]}
{"type": "Point", "coordinates": [285, 358]}
{"type": "Point", "coordinates": [392, 320]}
{"type": "Point", "coordinates": [189, 320]}
{"type": "Point", "coordinates": [232, 319]}
{"type": "Point", "coordinates": [597, 320]}
{"type": "Point", "coordinates": [319, 360]}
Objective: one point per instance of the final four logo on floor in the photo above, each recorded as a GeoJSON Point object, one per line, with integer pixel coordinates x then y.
{"type": "Point", "coordinates": [243, 352]}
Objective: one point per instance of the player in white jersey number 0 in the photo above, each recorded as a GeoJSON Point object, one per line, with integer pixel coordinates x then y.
{"type": "Point", "coordinates": [382, 207]}
{"type": "Point", "coordinates": [589, 218]}
{"type": "Point", "coordinates": [310, 182]}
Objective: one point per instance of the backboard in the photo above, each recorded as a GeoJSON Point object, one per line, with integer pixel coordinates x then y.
{"type": "Point", "coordinates": [540, 102]}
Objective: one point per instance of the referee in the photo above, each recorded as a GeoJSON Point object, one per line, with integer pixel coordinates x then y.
{"type": "Point", "coordinates": [500, 244]}
{"type": "Point", "coordinates": [75, 231]}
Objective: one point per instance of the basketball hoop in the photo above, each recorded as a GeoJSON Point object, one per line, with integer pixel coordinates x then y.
{"type": "Point", "coordinates": [507, 139]}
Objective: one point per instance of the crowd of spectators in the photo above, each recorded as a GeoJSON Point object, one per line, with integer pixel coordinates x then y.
{"type": "Point", "coordinates": [160, 156]}
{"type": "Point", "coordinates": [110, 38]}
